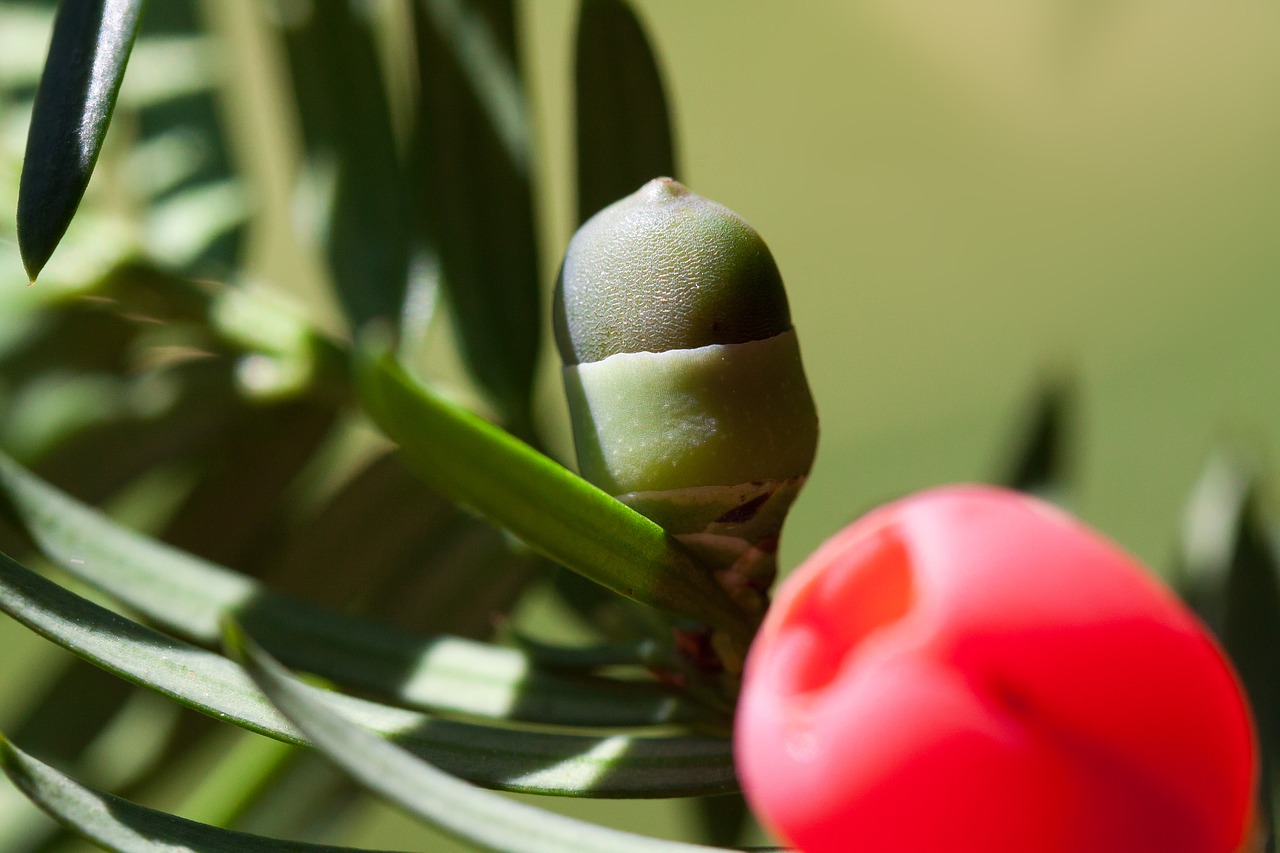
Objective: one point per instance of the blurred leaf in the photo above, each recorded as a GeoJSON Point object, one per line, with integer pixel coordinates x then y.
{"type": "Point", "coordinates": [73, 711]}
{"type": "Point", "coordinates": [724, 818]}
{"type": "Point", "coordinates": [87, 57]}
{"type": "Point", "coordinates": [234, 506]}
{"type": "Point", "coordinates": [309, 799]}
{"type": "Point", "coordinates": [120, 825]}
{"type": "Point", "coordinates": [95, 463]}
{"type": "Point", "coordinates": [346, 126]}
{"type": "Point", "coordinates": [187, 595]}
{"type": "Point", "coordinates": [327, 557]}
{"type": "Point", "coordinates": [244, 767]}
{"type": "Point", "coordinates": [646, 652]}
{"type": "Point", "coordinates": [1212, 525]}
{"type": "Point", "coordinates": [196, 205]}
{"type": "Point", "coordinates": [508, 759]}
{"type": "Point", "coordinates": [553, 510]}
{"type": "Point", "coordinates": [624, 132]}
{"type": "Point", "coordinates": [471, 138]}
{"type": "Point", "coordinates": [1231, 572]}
{"type": "Point", "coordinates": [78, 709]}
{"type": "Point", "coordinates": [481, 818]}
{"type": "Point", "coordinates": [1041, 464]}
{"type": "Point", "coordinates": [431, 567]}
{"type": "Point", "coordinates": [617, 619]}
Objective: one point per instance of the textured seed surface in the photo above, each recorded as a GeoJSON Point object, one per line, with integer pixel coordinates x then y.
{"type": "Point", "coordinates": [664, 269]}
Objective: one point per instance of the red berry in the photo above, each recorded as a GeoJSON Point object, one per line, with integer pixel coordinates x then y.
{"type": "Point", "coordinates": [971, 670]}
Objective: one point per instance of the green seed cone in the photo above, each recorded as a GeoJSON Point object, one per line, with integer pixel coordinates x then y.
{"type": "Point", "coordinates": [664, 269]}
{"type": "Point", "coordinates": [686, 390]}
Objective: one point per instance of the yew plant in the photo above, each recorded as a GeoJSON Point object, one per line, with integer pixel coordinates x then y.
{"type": "Point", "coordinates": [295, 572]}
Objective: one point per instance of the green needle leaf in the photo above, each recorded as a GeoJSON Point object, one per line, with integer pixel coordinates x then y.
{"type": "Point", "coordinates": [551, 509]}
{"type": "Point", "coordinates": [1230, 573]}
{"type": "Point", "coordinates": [508, 759]}
{"type": "Point", "coordinates": [187, 596]}
{"type": "Point", "coordinates": [346, 124]}
{"type": "Point", "coordinates": [87, 57]}
{"type": "Point", "coordinates": [473, 815]}
{"type": "Point", "coordinates": [1042, 465]}
{"type": "Point", "coordinates": [624, 132]}
{"type": "Point", "coordinates": [471, 148]}
{"type": "Point", "coordinates": [119, 825]}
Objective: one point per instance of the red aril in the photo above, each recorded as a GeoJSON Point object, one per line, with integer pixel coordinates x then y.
{"type": "Point", "coordinates": [971, 670]}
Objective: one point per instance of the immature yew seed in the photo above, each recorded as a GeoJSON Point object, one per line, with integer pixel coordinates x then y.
{"type": "Point", "coordinates": [683, 373]}
{"type": "Point", "coordinates": [971, 670]}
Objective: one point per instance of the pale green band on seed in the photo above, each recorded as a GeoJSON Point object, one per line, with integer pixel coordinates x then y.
{"type": "Point", "coordinates": [716, 415]}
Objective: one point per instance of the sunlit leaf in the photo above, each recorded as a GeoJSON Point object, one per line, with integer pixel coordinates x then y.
{"type": "Point", "coordinates": [449, 804]}
{"type": "Point", "coordinates": [87, 57]}
{"type": "Point", "coordinates": [508, 759]}
{"type": "Point", "coordinates": [187, 595]}
{"type": "Point", "coordinates": [1230, 571]}
{"type": "Point", "coordinates": [551, 509]}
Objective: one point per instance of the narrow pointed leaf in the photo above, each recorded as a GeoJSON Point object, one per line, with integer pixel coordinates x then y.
{"type": "Point", "coordinates": [551, 509]}
{"type": "Point", "coordinates": [1230, 568]}
{"type": "Point", "coordinates": [1040, 464]}
{"type": "Point", "coordinates": [346, 124]}
{"type": "Point", "coordinates": [187, 595]}
{"type": "Point", "coordinates": [646, 652]}
{"type": "Point", "coordinates": [476, 816]}
{"type": "Point", "coordinates": [471, 141]}
{"type": "Point", "coordinates": [624, 131]}
{"type": "Point", "coordinates": [507, 759]}
{"type": "Point", "coordinates": [87, 57]}
{"type": "Point", "coordinates": [118, 825]}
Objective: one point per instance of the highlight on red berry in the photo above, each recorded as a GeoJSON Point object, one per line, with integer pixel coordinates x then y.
{"type": "Point", "coordinates": [971, 669]}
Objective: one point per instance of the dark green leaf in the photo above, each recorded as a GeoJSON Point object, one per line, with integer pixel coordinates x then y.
{"type": "Point", "coordinates": [509, 759]}
{"type": "Point", "coordinates": [126, 827]}
{"type": "Point", "coordinates": [624, 133]}
{"type": "Point", "coordinates": [646, 652]}
{"type": "Point", "coordinates": [475, 816]}
{"type": "Point", "coordinates": [1231, 573]}
{"type": "Point", "coordinates": [187, 595]}
{"type": "Point", "coordinates": [81, 710]}
{"type": "Point", "coordinates": [471, 139]}
{"type": "Point", "coordinates": [1040, 464]}
{"type": "Point", "coordinates": [553, 510]}
{"type": "Point", "coordinates": [723, 819]}
{"type": "Point", "coordinates": [346, 124]}
{"type": "Point", "coordinates": [196, 206]}
{"type": "Point", "coordinates": [87, 57]}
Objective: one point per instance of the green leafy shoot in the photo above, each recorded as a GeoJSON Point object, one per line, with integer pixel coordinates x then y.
{"type": "Point", "coordinates": [509, 759]}
{"type": "Point", "coordinates": [187, 595]}
{"type": "Point", "coordinates": [473, 815]}
{"type": "Point", "coordinates": [554, 511]}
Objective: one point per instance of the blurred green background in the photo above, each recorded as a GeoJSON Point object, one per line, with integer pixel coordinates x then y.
{"type": "Point", "coordinates": [966, 200]}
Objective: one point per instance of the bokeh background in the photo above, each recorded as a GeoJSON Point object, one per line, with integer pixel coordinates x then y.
{"type": "Point", "coordinates": [969, 202]}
